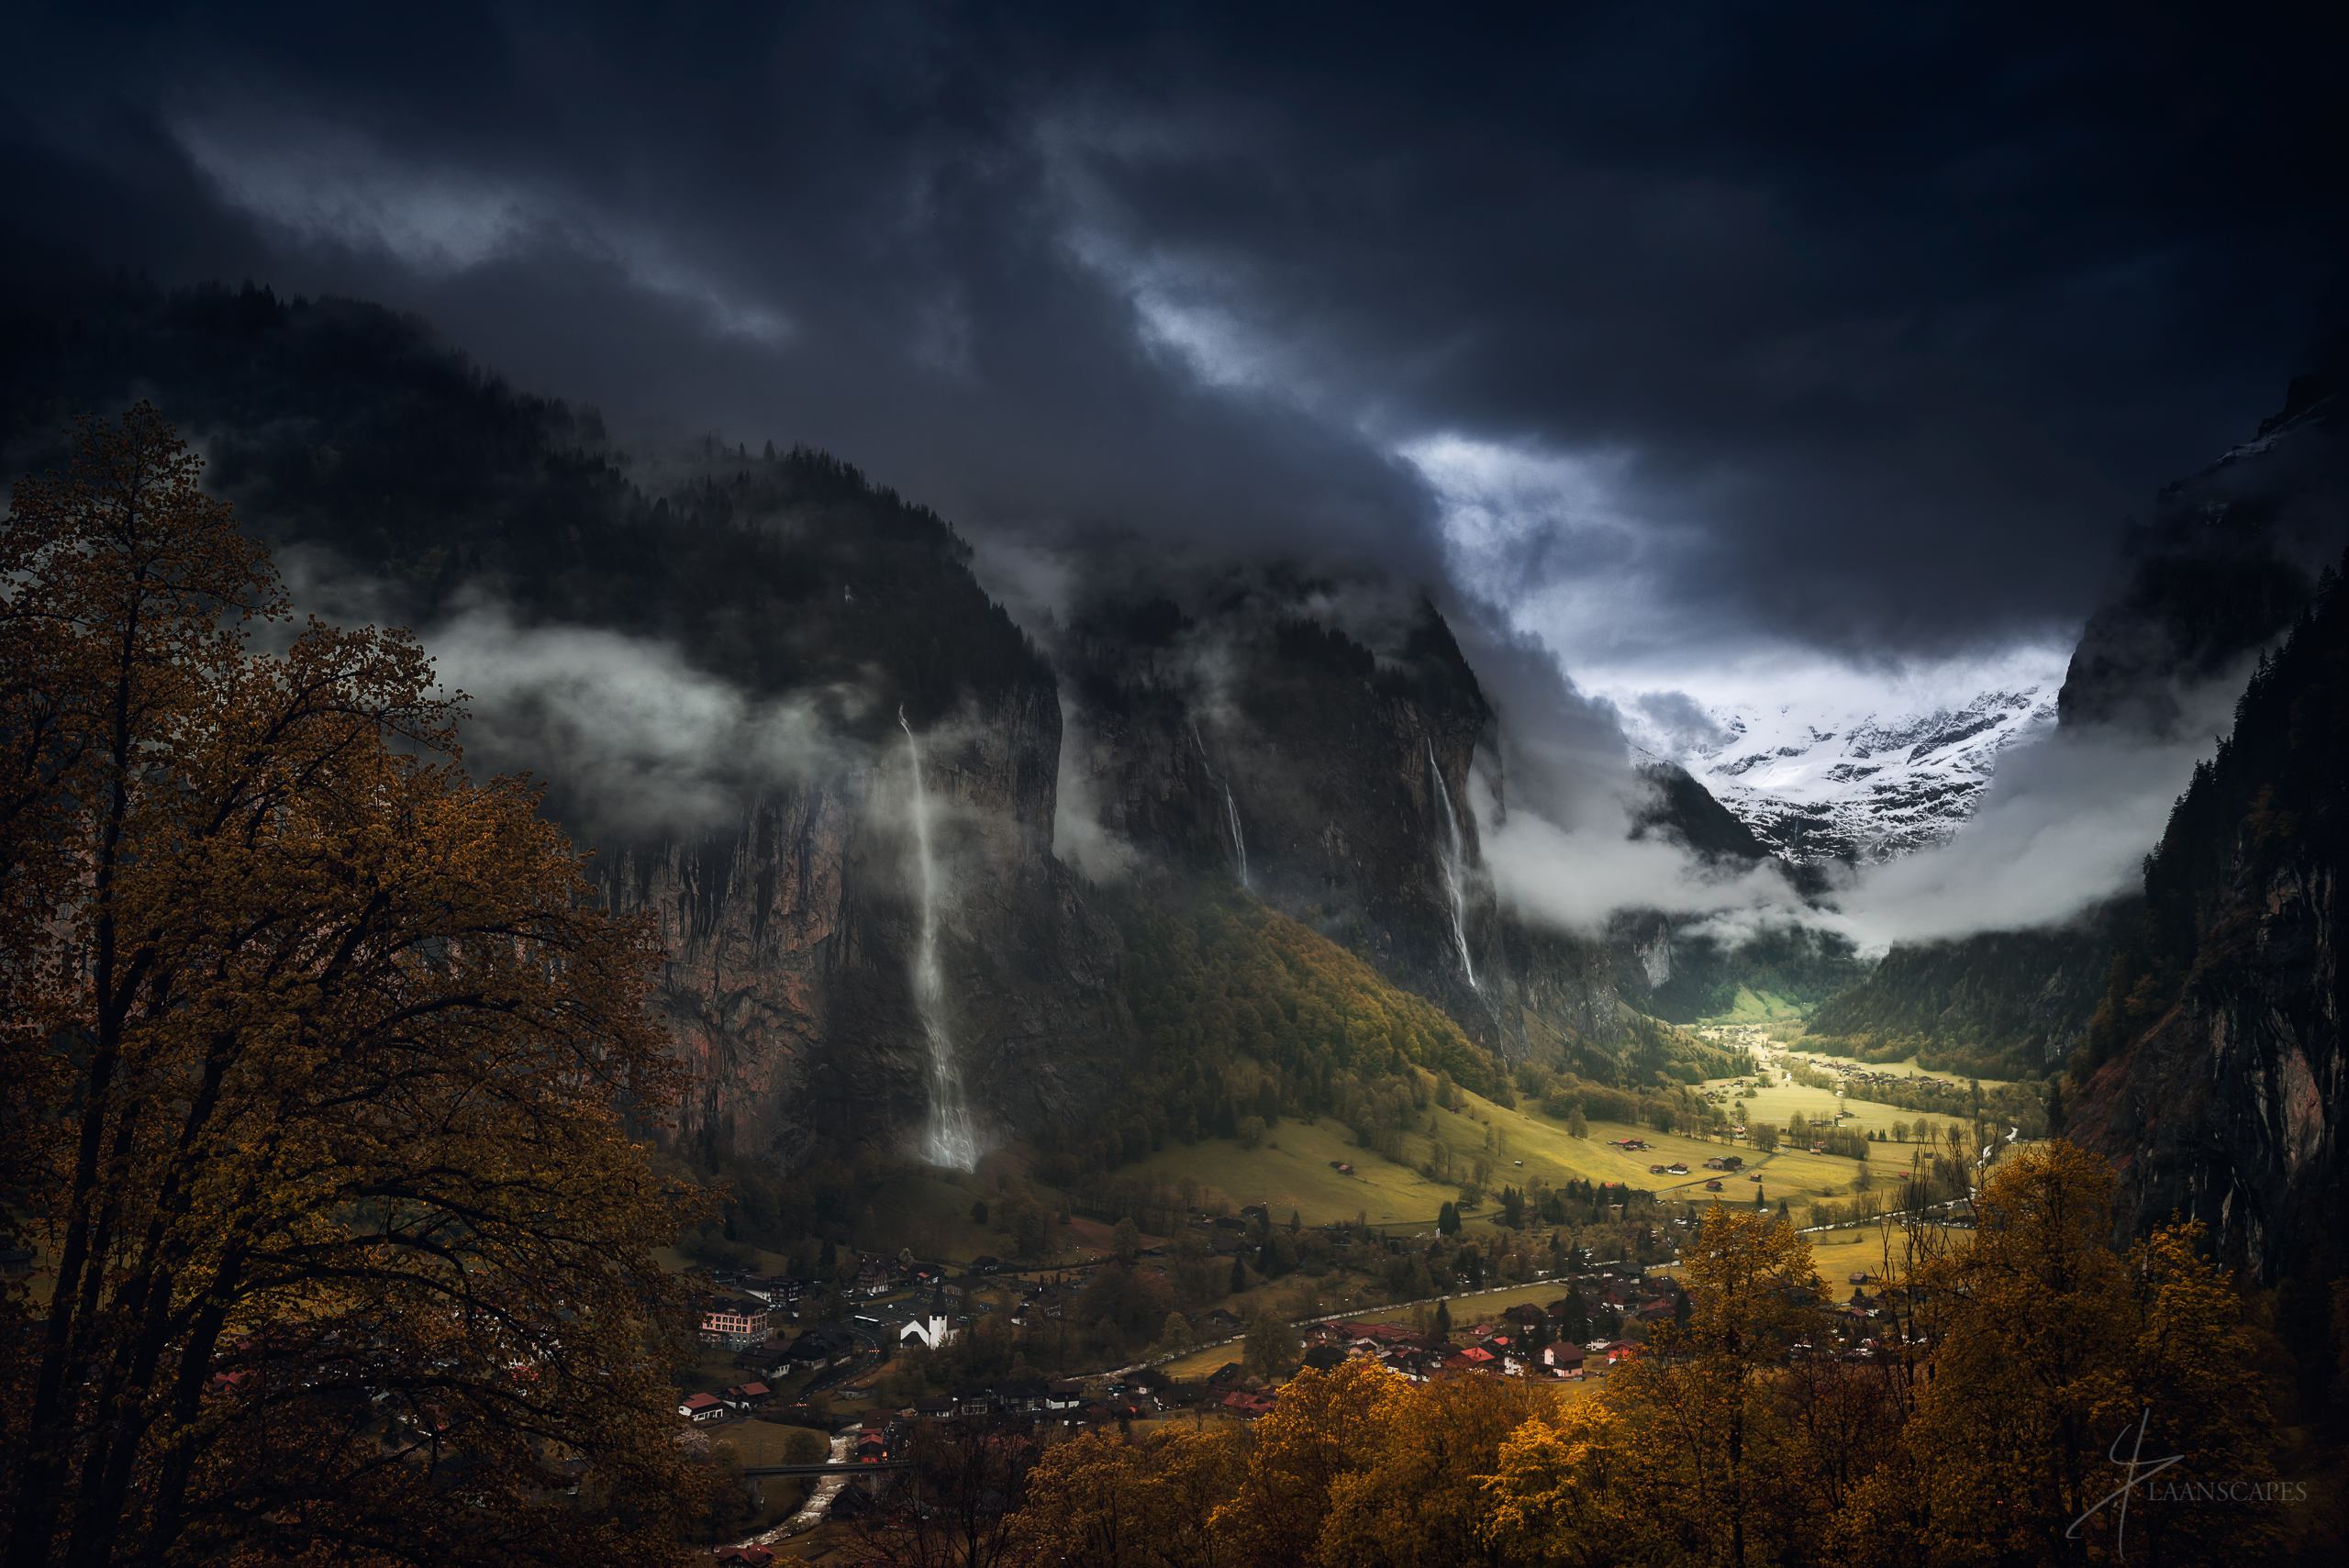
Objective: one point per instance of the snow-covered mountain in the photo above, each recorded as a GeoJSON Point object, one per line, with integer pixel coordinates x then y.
{"type": "Point", "coordinates": [1869, 785]}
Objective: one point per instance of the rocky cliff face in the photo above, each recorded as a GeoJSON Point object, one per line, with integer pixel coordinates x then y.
{"type": "Point", "coordinates": [1252, 739]}
{"type": "Point", "coordinates": [2213, 1076]}
{"type": "Point", "coordinates": [1338, 767]}
{"type": "Point", "coordinates": [2227, 1109]}
{"type": "Point", "coordinates": [793, 936]}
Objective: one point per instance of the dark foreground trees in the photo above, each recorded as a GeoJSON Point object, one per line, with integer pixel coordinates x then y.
{"type": "Point", "coordinates": [319, 1067]}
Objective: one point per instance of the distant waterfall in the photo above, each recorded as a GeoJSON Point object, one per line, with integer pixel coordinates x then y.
{"type": "Point", "coordinates": [1230, 808]}
{"type": "Point", "coordinates": [950, 1140]}
{"type": "Point", "coordinates": [1452, 871]}
{"type": "Point", "coordinates": [1239, 844]}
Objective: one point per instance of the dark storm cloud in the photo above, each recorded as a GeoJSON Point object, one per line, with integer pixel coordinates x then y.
{"type": "Point", "coordinates": [1873, 320]}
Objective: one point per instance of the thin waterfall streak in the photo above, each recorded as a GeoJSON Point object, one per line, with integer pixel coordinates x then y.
{"type": "Point", "coordinates": [1452, 868]}
{"type": "Point", "coordinates": [1239, 844]}
{"type": "Point", "coordinates": [1230, 808]}
{"type": "Point", "coordinates": [949, 1140]}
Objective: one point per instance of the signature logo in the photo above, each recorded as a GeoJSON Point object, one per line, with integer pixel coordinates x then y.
{"type": "Point", "coordinates": [2134, 1468]}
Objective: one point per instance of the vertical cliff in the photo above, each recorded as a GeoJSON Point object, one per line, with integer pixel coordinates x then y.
{"type": "Point", "coordinates": [1339, 755]}
{"type": "Point", "coordinates": [1253, 727]}
{"type": "Point", "coordinates": [2214, 1072]}
{"type": "Point", "coordinates": [792, 938]}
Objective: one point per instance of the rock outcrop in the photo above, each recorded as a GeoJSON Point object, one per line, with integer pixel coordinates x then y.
{"type": "Point", "coordinates": [792, 938]}
{"type": "Point", "coordinates": [2214, 1073]}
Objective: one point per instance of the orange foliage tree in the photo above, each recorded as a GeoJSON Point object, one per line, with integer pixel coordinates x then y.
{"type": "Point", "coordinates": [2051, 1349]}
{"type": "Point", "coordinates": [325, 1084]}
{"type": "Point", "coordinates": [1102, 1502]}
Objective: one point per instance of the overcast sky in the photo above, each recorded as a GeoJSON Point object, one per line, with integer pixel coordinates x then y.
{"type": "Point", "coordinates": [1727, 346]}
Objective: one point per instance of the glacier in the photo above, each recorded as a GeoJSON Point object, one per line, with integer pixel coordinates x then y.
{"type": "Point", "coordinates": [1863, 786]}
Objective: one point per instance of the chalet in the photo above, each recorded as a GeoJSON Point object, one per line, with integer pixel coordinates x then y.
{"type": "Point", "coordinates": [986, 1263]}
{"type": "Point", "coordinates": [1563, 1358]}
{"type": "Point", "coordinates": [751, 1556]}
{"type": "Point", "coordinates": [1248, 1406]}
{"type": "Point", "coordinates": [935, 1407]}
{"type": "Point", "coordinates": [1228, 1321]}
{"type": "Point", "coordinates": [16, 1264]}
{"type": "Point", "coordinates": [701, 1408]}
{"type": "Point", "coordinates": [1021, 1396]}
{"type": "Point", "coordinates": [1063, 1394]}
{"type": "Point", "coordinates": [817, 1349]}
{"type": "Point", "coordinates": [745, 1395]}
{"type": "Point", "coordinates": [1388, 1335]}
{"type": "Point", "coordinates": [1476, 1357]}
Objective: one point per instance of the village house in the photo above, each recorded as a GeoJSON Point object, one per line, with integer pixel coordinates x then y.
{"type": "Point", "coordinates": [751, 1556]}
{"type": "Point", "coordinates": [745, 1396]}
{"type": "Point", "coordinates": [701, 1408]}
{"type": "Point", "coordinates": [737, 1325]}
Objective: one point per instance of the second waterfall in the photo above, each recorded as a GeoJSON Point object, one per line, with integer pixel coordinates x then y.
{"type": "Point", "coordinates": [1454, 872]}
{"type": "Point", "coordinates": [949, 1138]}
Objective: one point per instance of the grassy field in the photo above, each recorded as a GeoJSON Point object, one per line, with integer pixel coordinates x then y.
{"type": "Point", "coordinates": [929, 1209]}
{"type": "Point", "coordinates": [1526, 1147]}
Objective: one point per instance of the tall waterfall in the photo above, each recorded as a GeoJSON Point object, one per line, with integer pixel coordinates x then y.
{"type": "Point", "coordinates": [1453, 871]}
{"type": "Point", "coordinates": [1230, 808]}
{"type": "Point", "coordinates": [949, 1140]}
{"type": "Point", "coordinates": [1239, 844]}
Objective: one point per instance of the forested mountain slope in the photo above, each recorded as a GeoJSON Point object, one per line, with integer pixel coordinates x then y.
{"type": "Point", "coordinates": [1325, 765]}
{"type": "Point", "coordinates": [1996, 1004]}
{"type": "Point", "coordinates": [2214, 1072]}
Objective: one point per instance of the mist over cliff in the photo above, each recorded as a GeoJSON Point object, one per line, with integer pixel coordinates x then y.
{"type": "Point", "coordinates": [872, 814]}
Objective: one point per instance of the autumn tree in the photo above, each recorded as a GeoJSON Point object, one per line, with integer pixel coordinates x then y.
{"type": "Point", "coordinates": [1694, 1401]}
{"type": "Point", "coordinates": [1311, 1437]}
{"type": "Point", "coordinates": [1273, 1348]}
{"type": "Point", "coordinates": [958, 1506]}
{"type": "Point", "coordinates": [2049, 1348]}
{"type": "Point", "coordinates": [1418, 1498]}
{"type": "Point", "coordinates": [1099, 1502]}
{"type": "Point", "coordinates": [1553, 1497]}
{"type": "Point", "coordinates": [326, 1082]}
